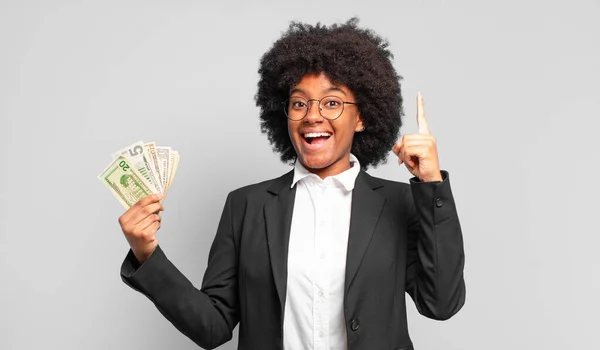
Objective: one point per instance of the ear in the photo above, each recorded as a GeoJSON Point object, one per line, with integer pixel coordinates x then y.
{"type": "Point", "coordinates": [359, 124]}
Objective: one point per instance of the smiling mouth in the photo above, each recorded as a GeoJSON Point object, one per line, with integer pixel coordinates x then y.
{"type": "Point", "coordinates": [316, 137]}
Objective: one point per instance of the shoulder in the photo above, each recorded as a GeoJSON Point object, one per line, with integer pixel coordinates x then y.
{"type": "Point", "coordinates": [413, 182]}
{"type": "Point", "coordinates": [384, 186]}
{"type": "Point", "coordinates": [395, 193]}
{"type": "Point", "coordinates": [263, 188]}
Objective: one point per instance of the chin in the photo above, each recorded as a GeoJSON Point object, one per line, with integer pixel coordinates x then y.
{"type": "Point", "coordinates": [315, 161]}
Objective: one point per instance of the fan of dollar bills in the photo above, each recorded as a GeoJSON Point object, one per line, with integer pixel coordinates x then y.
{"type": "Point", "coordinates": [139, 170]}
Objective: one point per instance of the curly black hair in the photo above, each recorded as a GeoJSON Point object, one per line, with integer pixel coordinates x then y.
{"type": "Point", "coordinates": [347, 55]}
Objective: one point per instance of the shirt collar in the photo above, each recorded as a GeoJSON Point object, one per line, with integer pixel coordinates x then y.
{"type": "Point", "coordinates": [346, 178]}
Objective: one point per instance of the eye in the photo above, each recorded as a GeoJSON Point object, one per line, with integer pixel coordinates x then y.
{"type": "Point", "coordinates": [331, 102]}
{"type": "Point", "coordinates": [298, 104]}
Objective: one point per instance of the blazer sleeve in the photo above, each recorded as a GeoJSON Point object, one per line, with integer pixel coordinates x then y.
{"type": "Point", "coordinates": [436, 258]}
{"type": "Point", "coordinates": [207, 315]}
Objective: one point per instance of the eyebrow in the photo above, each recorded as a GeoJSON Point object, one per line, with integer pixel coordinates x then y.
{"type": "Point", "coordinates": [333, 88]}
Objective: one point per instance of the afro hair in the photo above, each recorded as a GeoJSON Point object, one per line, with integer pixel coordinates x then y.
{"type": "Point", "coordinates": [347, 55]}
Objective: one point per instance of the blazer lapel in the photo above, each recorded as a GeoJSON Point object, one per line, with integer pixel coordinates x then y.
{"type": "Point", "coordinates": [278, 217]}
{"type": "Point", "coordinates": [366, 209]}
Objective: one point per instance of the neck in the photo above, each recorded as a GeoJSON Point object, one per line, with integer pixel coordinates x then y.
{"type": "Point", "coordinates": [332, 170]}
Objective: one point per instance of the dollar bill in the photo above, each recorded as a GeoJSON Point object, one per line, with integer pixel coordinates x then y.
{"type": "Point", "coordinates": [140, 169]}
{"type": "Point", "coordinates": [173, 169]}
{"type": "Point", "coordinates": [125, 182]}
{"type": "Point", "coordinates": [153, 160]}
{"type": "Point", "coordinates": [136, 153]}
{"type": "Point", "coordinates": [164, 163]}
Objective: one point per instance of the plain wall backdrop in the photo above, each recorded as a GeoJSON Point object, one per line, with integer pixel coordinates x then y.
{"type": "Point", "coordinates": [512, 96]}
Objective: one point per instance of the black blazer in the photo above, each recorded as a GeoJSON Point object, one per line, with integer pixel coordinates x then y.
{"type": "Point", "coordinates": [402, 238]}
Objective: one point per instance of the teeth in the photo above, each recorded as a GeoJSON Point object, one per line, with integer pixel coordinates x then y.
{"type": "Point", "coordinates": [317, 134]}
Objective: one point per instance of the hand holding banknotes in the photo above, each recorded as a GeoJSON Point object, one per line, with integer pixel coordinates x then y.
{"type": "Point", "coordinates": [140, 176]}
{"type": "Point", "coordinates": [140, 223]}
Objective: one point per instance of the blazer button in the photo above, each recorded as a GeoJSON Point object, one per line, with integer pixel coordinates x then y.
{"type": "Point", "coordinates": [354, 324]}
{"type": "Point", "coordinates": [438, 202]}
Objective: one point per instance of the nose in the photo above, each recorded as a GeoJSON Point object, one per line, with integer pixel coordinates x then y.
{"type": "Point", "coordinates": [313, 115]}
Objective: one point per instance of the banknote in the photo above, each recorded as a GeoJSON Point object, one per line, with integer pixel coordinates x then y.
{"type": "Point", "coordinates": [139, 158]}
{"type": "Point", "coordinates": [140, 169]}
{"type": "Point", "coordinates": [151, 150]}
{"type": "Point", "coordinates": [164, 163]}
{"type": "Point", "coordinates": [125, 182]}
{"type": "Point", "coordinates": [174, 166]}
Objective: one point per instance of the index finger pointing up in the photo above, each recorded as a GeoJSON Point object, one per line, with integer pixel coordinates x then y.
{"type": "Point", "coordinates": [421, 121]}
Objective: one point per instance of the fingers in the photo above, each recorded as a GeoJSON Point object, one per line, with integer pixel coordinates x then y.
{"type": "Point", "coordinates": [411, 147]}
{"type": "Point", "coordinates": [140, 222]}
{"type": "Point", "coordinates": [413, 139]}
{"type": "Point", "coordinates": [421, 120]}
{"type": "Point", "coordinates": [400, 150]}
{"type": "Point", "coordinates": [133, 211]}
{"type": "Point", "coordinates": [396, 147]}
{"type": "Point", "coordinates": [144, 224]}
{"type": "Point", "coordinates": [144, 212]}
{"type": "Point", "coordinates": [146, 234]}
{"type": "Point", "coordinates": [151, 198]}
{"type": "Point", "coordinates": [149, 220]}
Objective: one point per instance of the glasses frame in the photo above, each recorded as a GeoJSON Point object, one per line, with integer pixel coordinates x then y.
{"type": "Point", "coordinates": [287, 101]}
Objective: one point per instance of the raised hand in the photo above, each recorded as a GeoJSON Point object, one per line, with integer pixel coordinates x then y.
{"type": "Point", "coordinates": [418, 151]}
{"type": "Point", "coordinates": [140, 223]}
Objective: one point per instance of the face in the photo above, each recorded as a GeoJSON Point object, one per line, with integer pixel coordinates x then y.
{"type": "Point", "coordinates": [329, 153]}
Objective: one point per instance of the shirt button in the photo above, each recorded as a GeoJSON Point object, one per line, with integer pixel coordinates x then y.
{"type": "Point", "coordinates": [321, 293]}
{"type": "Point", "coordinates": [438, 202]}
{"type": "Point", "coordinates": [321, 334]}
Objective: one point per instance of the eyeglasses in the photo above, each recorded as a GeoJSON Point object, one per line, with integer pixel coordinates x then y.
{"type": "Point", "coordinates": [330, 107]}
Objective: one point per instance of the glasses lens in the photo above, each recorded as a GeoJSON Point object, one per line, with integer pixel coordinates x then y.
{"type": "Point", "coordinates": [331, 107]}
{"type": "Point", "coordinates": [296, 108]}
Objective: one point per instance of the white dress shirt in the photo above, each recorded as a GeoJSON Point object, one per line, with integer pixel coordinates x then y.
{"type": "Point", "coordinates": [314, 312]}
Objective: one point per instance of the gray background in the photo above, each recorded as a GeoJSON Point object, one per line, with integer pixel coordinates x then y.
{"type": "Point", "coordinates": [511, 91]}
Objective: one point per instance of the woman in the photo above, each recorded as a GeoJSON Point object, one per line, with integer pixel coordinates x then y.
{"type": "Point", "coordinates": [321, 257]}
